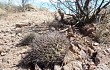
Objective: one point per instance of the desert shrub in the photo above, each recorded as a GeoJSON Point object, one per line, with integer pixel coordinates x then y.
{"type": "Point", "coordinates": [102, 33]}
{"type": "Point", "coordinates": [2, 5]}
{"type": "Point", "coordinates": [2, 13]}
{"type": "Point", "coordinates": [13, 8]}
{"type": "Point", "coordinates": [47, 49]}
{"type": "Point", "coordinates": [2, 10]}
{"type": "Point", "coordinates": [9, 8]}
{"type": "Point", "coordinates": [82, 11]}
{"type": "Point", "coordinates": [29, 7]}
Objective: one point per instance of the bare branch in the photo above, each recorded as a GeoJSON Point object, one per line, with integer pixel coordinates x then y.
{"type": "Point", "coordinates": [79, 7]}
{"type": "Point", "coordinates": [73, 10]}
{"type": "Point", "coordinates": [86, 4]}
{"type": "Point", "coordinates": [83, 11]}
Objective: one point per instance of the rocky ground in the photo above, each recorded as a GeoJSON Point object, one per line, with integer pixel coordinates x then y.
{"type": "Point", "coordinates": [11, 33]}
{"type": "Point", "coordinates": [85, 53]}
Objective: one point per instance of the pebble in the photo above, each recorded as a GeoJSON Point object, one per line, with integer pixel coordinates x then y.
{"type": "Point", "coordinates": [3, 54]}
{"type": "Point", "coordinates": [74, 65]}
{"type": "Point", "coordinates": [108, 50]}
{"type": "Point", "coordinates": [95, 44]}
{"type": "Point", "coordinates": [57, 67]}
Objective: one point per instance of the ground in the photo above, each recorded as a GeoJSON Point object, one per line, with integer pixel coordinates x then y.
{"type": "Point", "coordinates": [10, 36]}
{"type": "Point", "coordinates": [15, 26]}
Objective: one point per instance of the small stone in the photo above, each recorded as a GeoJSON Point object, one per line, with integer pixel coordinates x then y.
{"type": "Point", "coordinates": [20, 25]}
{"type": "Point", "coordinates": [57, 67]}
{"type": "Point", "coordinates": [95, 44]}
{"type": "Point", "coordinates": [92, 67]}
{"type": "Point", "coordinates": [74, 65]}
{"type": "Point", "coordinates": [19, 34]}
{"type": "Point", "coordinates": [108, 50]}
{"type": "Point", "coordinates": [52, 28]}
{"type": "Point", "coordinates": [18, 30]}
{"type": "Point", "coordinates": [83, 54]}
{"type": "Point", "coordinates": [3, 54]}
{"type": "Point", "coordinates": [12, 35]}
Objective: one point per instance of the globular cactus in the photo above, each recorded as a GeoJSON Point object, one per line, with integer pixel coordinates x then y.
{"type": "Point", "coordinates": [47, 50]}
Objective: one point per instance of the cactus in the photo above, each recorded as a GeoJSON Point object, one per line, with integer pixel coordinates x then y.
{"type": "Point", "coordinates": [47, 49]}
